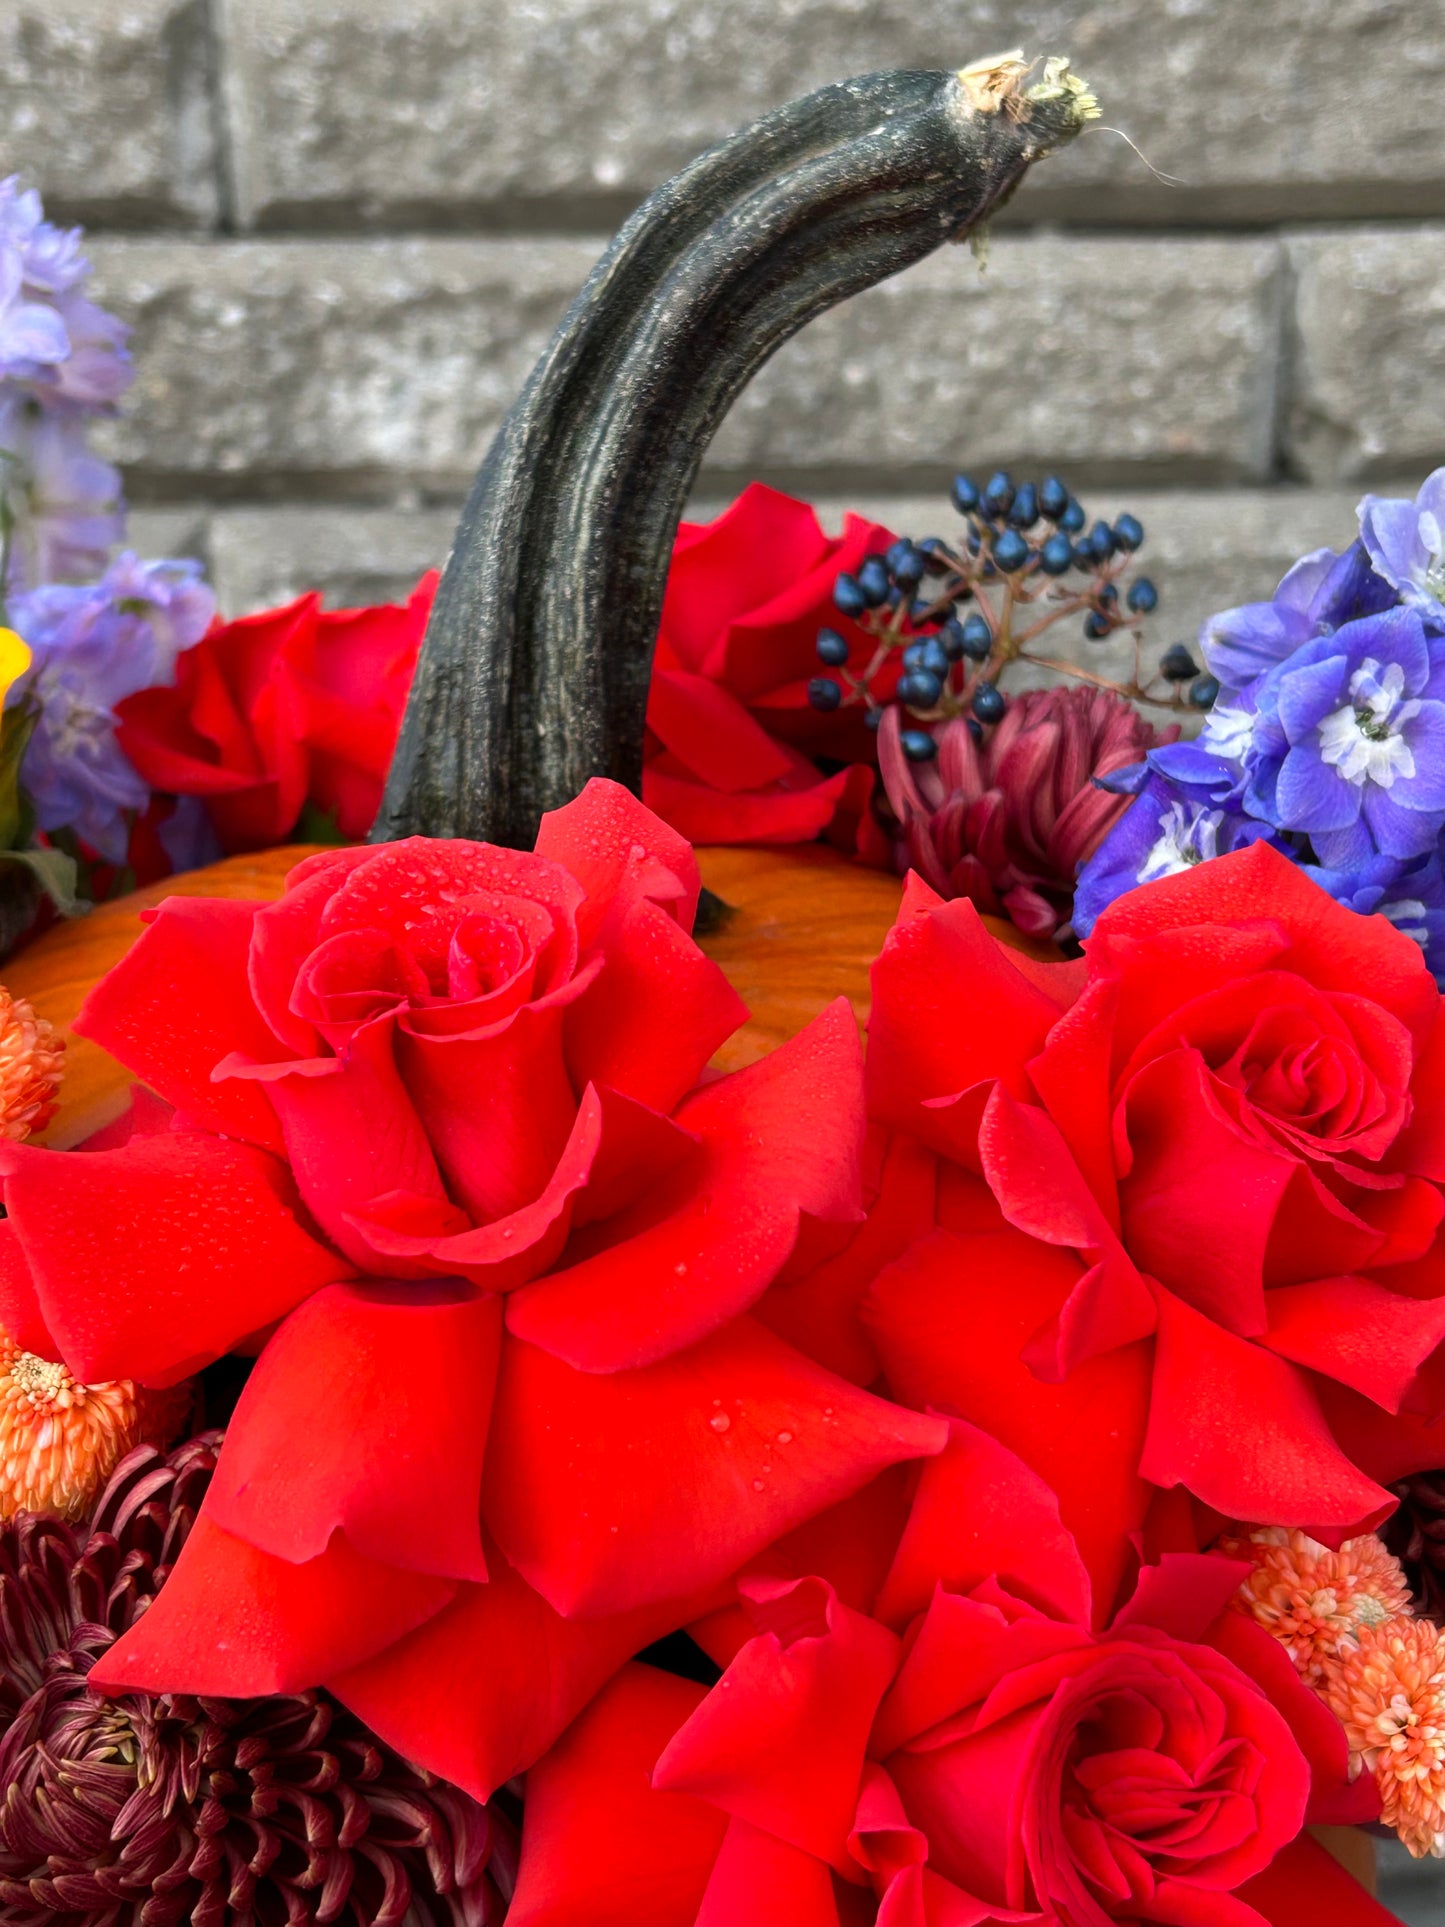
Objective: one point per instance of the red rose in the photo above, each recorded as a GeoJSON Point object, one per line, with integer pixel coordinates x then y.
{"type": "Point", "coordinates": [731, 735]}
{"type": "Point", "coordinates": [279, 709]}
{"type": "Point", "coordinates": [967, 1752]}
{"type": "Point", "coordinates": [1189, 1197]}
{"type": "Point", "coordinates": [439, 1131]}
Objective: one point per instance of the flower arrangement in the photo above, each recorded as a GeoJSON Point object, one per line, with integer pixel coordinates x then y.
{"type": "Point", "coordinates": [465, 1455]}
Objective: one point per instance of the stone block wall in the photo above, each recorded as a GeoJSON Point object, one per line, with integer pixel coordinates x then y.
{"type": "Point", "coordinates": [344, 228]}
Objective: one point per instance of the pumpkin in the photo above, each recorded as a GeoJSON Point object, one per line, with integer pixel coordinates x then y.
{"type": "Point", "coordinates": [534, 671]}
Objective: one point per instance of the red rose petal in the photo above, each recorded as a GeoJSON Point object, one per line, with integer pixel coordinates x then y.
{"type": "Point", "coordinates": [1243, 1431]}
{"type": "Point", "coordinates": [1200, 1197]}
{"type": "Point", "coordinates": [919, 1052]}
{"type": "Point", "coordinates": [611, 1490]}
{"type": "Point", "coordinates": [758, 1879]}
{"type": "Point", "coordinates": [232, 1622]}
{"type": "Point", "coordinates": [367, 1412]}
{"type": "Point", "coordinates": [481, 1691]}
{"type": "Point", "coordinates": [152, 1260]}
{"type": "Point", "coordinates": [617, 848]}
{"type": "Point", "coordinates": [1304, 1886]}
{"type": "Point", "coordinates": [178, 1002]}
{"type": "Point", "coordinates": [21, 1318]}
{"type": "Point", "coordinates": [352, 1134]}
{"type": "Point", "coordinates": [951, 1320]}
{"type": "Point", "coordinates": [711, 733]}
{"type": "Point", "coordinates": [780, 1138]}
{"type": "Point", "coordinates": [1358, 1331]}
{"type": "Point", "coordinates": [981, 1513]}
{"type": "Point", "coordinates": [797, 811]}
{"type": "Point", "coordinates": [724, 568]}
{"type": "Point", "coordinates": [780, 1740]}
{"type": "Point", "coordinates": [600, 1845]}
{"type": "Point", "coordinates": [654, 1015]}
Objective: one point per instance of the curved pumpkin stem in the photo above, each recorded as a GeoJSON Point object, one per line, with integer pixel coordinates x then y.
{"type": "Point", "coordinates": [533, 676]}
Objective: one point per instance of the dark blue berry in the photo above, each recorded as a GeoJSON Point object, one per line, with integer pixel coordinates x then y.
{"type": "Point", "coordinates": [910, 568]}
{"type": "Point", "coordinates": [913, 656]}
{"type": "Point", "coordinates": [848, 597]}
{"type": "Point", "coordinates": [1108, 594]}
{"type": "Point", "coordinates": [1056, 555]}
{"type": "Point", "coordinates": [873, 580]}
{"type": "Point", "coordinates": [1010, 551]}
{"type": "Point", "coordinates": [932, 546]}
{"type": "Point", "coordinates": [923, 609]}
{"type": "Point", "coordinates": [1101, 542]}
{"type": "Point", "coordinates": [872, 718]}
{"type": "Point", "coordinates": [824, 693]}
{"type": "Point", "coordinates": [1143, 596]}
{"type": "Point", "coordinates": [918, 745]}
{"type": "Point", "coordinates": [1177, 665]}
{"type": "Point", "coordinates": [893, 598]}
{"type": "Point", "coordinates": [1096, 627]}
{"type": "Point", "coordinates": [1204, 692]}
{"type": "Point", "coordinates": [977, 638]}
{"type": "Point", "coordinates": [895, 552]}
{"type": "Point", "coordinates": [832, 648]}
{"type": "Point", "coordinates": [1025, 510]}
{"type": "Point", "coordinates": [965, 494]}
{"type": "Point", "coordinates": [998, 493]}
{"type": "Point", "coordinates": [975, 728]}
{"type": "Point", "coordinates": [934, 659]}
{"type": "Point", "coordinates": [1083, 555]}
{"type": "Point", "coordinates": [918, 689]}
{"type": "Point", "coordinates": [1072, 519]}
{"type": "Point", "coordinates": [951, 637]}
{"type": "Point", "coordinates": [1129, 530]}
{"type": "Point", "coordinates": [988, 702]}
{"type": "Point", "coordinates": [1053, 497]}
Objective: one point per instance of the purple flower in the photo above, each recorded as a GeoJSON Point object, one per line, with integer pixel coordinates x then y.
{"type": "Point", "coordinates": [1319, 593]}
{"type": "Point", "coordinates": [1165, 829]}
{"type": "Point", "coordinates": [50, 256]}
{"type": "Point", "coordinates": [66, 502]}
{"type": "Point", "coordinates": [1406, 544]}
{"type": "Point", "coordinates": [92, 647]}
{"type": "Point", "coordinates": [1411, 895]}
{"type": "Point", "coordinates": [1349, 743]}
{"type": "Point", "coordinates": [32, 334]}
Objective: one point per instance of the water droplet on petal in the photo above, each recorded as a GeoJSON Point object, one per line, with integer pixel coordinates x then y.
{"type": "Point", "coordinates": [719, 1421]}
{"type": "Point", "coordinates": [785, 1438]}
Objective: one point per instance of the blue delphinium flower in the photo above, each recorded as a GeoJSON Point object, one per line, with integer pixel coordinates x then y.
{"type": "Point", "coordinates": [93, 646]}
{"type": "Point", "coordinates": [1411, 895]}
{"type": "Point", "coordinates": [1319, 593]}
{"type": "Point", "coordinates": [1349, 743]}
{"type": "Point", "coordinates": [1406, 544]}
{"type": "Point", "coordinates": [1167, 828]}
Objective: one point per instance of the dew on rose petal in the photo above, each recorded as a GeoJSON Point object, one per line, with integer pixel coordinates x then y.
{"type": "Point", "coordinates": [785, 1438]}
{"type": "Point", "coordinates": [719, 1421]}
{"type": "Point", "coordinates": [680, 1269]}
{"type": "Point", "coordinates": [757, 1485]}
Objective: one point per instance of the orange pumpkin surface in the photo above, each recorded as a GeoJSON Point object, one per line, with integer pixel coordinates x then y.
{"type": "Point", "coordinates": [802, 927]}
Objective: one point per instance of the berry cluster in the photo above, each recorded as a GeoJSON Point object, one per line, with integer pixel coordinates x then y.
{"type": "Point", "coordinates": [948, 616]}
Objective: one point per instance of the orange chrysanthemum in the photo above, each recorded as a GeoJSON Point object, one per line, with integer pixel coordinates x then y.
{"type": "Point", "coordinates": [31, 1063]}
{"type": "Point", "coordinates": [1309, 1597]}
{"type": "Point", "coordinates": [1387, 1687]}
{"type": "Point", "coordinates": [60, 1440]}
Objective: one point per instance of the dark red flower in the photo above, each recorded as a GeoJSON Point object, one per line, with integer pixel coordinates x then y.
{"type": "Point", "coordinates": [967, 1751]}
{"type": "Point", "coordinates": [1008, 823]}
{"type": "Point", "coordinates": [440, 1141]}
{"type": "Point", "coordinates": [731, 736]}
{"type": "Point", "coordinates": [164, 1810]}
{"type": "Point", "coordinates": [275, 710]}
{"type": "Point", "coordinates": [1188, 1199]}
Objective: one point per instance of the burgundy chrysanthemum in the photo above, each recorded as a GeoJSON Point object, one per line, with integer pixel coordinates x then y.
{"type": "Point", "coordinates": [149, 1812]}
{"type": "Point", "coordinates": [1009, 822]}
{"type": "Point", "coordinates": [1416, 1535]}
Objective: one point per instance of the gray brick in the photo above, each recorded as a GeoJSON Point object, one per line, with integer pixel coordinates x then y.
{"type": "Point", "coordinates": [1413, 1890]}
{"type": "Point", "coordinates": [1367, 398]}
{"type": "Point", "coordinates": [105, 105]}
{"type": "Point", "coordinates": [261, 557]}
{"type": "Point", "coordinates": [372, 109]}
{"type": "Point", "coordinates": [1206, 551]}
{"type": "Point", "coordinates": [361, 370]}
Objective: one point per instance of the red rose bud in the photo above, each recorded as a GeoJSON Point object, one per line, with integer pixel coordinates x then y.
{"type": "Point", "coordinates": [1007, 822]}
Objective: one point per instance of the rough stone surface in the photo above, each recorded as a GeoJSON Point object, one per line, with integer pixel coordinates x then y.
{"type": "Point", "coordinates": [107, 106]}
{"type": "Point", "coordinates": [361, 369]}
{"type": "Point", "coordinates": [366, 109]}
{"type": "Point", "coordinates": [1204, 550]}
{"type": "Point", "coordinates": [1369, 320]}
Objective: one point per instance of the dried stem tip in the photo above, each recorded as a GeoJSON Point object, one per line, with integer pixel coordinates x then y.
{"type": "Point", "coordinates": [996, 85]}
